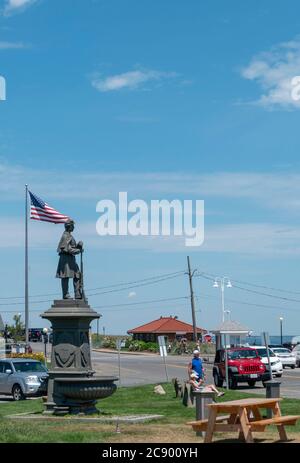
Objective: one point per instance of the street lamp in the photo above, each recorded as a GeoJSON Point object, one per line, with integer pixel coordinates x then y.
{"type": "Point", "coordinates": [45, 332]}
{"type": "Point", "coordinates": [228, 313]}
{"type": "Point", "coordinates": [220, 283]}
{"type": "Point", "coordinates": [281, 319]}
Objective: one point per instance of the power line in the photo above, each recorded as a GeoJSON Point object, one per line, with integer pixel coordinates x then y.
{"type": "Point", "coordinates": [202, 275]}
{"type": "Point", "coordinates": [210, 276]}
{"type": "Point", "coordinates": [267, 294]}
{"type": "Point", "coordinates": [142, 302]}
{"type": "Point", "coordinates": [143, 282]}
{"type": "Point", "coordinates": [207, 296]}
{"type": "Point", "coordinates": [135, 286]}
{"type": "Point", "coordinates": [107, 307]}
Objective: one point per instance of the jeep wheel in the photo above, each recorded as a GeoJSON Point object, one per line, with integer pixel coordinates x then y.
{"type": "Point", "coordinates": [17, 393]}
{"type": "Point", "coordinates": [217, 380]}
{"type": "Point", "coordinates": [292, 367]}
{"type": "Point", "coordinates": [251, 382]}
{"type": "Point", "coordinates": [232, 382]}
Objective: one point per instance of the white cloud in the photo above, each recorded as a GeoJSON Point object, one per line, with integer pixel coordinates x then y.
{"type": "Point", "coordinates": [270, 190]}
{"type": "Point", "coordinates": [264, 240]}
{"type": "Point", "coordinates": [12, 45]}
{"type": "Point", "coordinates": [16, 6]}
{"type": "Point", "coordinates": [274, 71]}
{"type": "Point", "coordinates": [130, 80]}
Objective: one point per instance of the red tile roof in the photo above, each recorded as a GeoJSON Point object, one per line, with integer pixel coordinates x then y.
{"type": "Point", "coordinates": [165, 325]}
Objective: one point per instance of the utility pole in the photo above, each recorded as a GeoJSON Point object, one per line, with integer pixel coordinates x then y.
{"type": "Point", "coordinates": [191, 274]}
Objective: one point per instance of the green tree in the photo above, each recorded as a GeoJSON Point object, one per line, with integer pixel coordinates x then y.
{"type": "Point", "coordinates": [17, 331]}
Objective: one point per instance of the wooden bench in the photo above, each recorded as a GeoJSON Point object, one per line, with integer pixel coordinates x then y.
{"type": "Point", "coordinates": [260, 425]}
{"type": "Point", "coordinates": [201, 425]}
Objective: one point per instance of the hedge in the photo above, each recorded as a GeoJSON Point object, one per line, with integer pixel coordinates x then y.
{"type": "Point", "coordinates": [34, 356]}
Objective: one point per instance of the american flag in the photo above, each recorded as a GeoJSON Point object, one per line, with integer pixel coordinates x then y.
{"type": "Point", "coordinates": [40, 210]}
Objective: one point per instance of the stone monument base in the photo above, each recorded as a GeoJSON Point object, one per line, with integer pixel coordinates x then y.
{"type": "Point", "coordinates": [72, 386]}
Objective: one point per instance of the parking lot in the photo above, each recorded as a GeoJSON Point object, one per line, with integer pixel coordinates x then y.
{"type": "Point", "coordinates": [149, 369]}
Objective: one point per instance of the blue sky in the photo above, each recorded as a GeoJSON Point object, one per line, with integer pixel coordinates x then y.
{"type": "Point", "coordinates": [167, 99]}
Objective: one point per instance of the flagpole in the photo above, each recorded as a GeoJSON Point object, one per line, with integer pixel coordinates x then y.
{"type": "Point", "coordinates": [26, 266]}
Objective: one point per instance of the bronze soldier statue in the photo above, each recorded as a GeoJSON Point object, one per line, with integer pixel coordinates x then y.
{"type": "Point", "coordinates": [67, 265]}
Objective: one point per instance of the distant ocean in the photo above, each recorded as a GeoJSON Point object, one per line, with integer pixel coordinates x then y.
{"type": "Point", "coordinates": [273, 339]}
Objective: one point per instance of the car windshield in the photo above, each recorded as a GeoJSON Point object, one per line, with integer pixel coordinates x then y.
{"type": "Point", "coordinates": [23, 367]}
{"type": "Point", "coordinates": [281, 351]}
{"type": "Point", "coordinates": [242, 354]}
{"type": "Point", "coordinates": [262, 352]}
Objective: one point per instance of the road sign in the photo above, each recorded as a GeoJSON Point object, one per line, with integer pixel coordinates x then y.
{"type": "Point", "coordinates": [163, 352]}
{"type": "Point", "coordinates": [162, 346]}
{"type": "Point", "coordinates": [119, 343]}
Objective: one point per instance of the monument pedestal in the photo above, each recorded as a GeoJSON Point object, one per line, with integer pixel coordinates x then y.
{"type": "Point", "coordinates": [72, 386]}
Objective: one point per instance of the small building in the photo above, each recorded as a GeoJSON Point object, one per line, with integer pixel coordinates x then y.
{"type": "Point", "coordinates": [230, 332]}
{"type": "Point", "coordinates": [170, 327]}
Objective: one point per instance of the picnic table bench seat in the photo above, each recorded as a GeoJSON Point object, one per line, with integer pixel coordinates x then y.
{"type": "Point", "coordinates": [245, 417]}
{"type": "Point", "coordinates": [276, 420]}
{"type": "Point", "coordinates": [200, 425]}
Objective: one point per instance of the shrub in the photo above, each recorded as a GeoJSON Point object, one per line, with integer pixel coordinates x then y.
{"type": "Point", "coordinates": [34, 356]}
{"type": "Point", "coordinates": [139, 346]}
{"type": "Point", "coordinates": [152, 346]}
{"type": "Point", "coordinates": [109, 342]}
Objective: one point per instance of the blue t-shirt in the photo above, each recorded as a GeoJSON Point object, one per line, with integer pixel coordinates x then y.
{"type": "Point", "coordinates": [197, 366]}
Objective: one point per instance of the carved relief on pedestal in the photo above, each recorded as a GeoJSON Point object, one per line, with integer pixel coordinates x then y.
{"type": "Point", "coordinates": [64, 355]}
{"type": "Point", "coordinates": [64, 349]}
{"type": "Point", "coordinates": [85, 353]}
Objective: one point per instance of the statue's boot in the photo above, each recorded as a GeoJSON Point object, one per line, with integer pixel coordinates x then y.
{"type": "Point", "coordinates": [65, 288]}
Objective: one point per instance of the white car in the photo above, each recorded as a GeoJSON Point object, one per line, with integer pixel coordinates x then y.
{"type": "Point", "coordinates": [286, 356]}
{"type": "Point", "coordinates": [296, 354]}
{"type": "Point", "coordinates": [276, 364]}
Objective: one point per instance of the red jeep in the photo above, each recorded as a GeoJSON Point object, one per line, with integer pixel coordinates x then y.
{"type": "Point", "coordinates": [244, 366]}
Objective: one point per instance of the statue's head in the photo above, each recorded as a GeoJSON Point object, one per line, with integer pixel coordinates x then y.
{"type": "Point", "coordinates": [69, 225]}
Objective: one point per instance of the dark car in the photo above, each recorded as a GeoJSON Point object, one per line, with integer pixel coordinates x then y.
{"type": "Point", "coordinates": [35, 334]}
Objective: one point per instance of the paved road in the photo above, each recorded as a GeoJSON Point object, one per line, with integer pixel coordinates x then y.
{"type": "Point", "coordinates": [150, 369]}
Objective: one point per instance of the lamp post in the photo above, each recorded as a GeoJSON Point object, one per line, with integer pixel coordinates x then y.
{"type": "Point", "coordinates": [220, 282]}
{"type": "Point", "coordinates": [228, 313]}
{"type": "Point", "coordinates": [281, 319]}
{"type": "Point", "coordinates": [45, 332]}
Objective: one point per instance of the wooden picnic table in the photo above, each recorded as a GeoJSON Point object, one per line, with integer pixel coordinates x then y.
{"type": "Point", "coordinates": [244, 416]}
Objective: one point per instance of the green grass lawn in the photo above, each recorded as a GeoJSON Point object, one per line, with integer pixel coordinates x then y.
{"type": "Point", "coordinates": [126, 401]}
